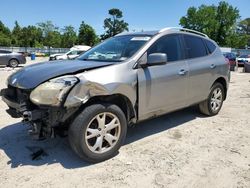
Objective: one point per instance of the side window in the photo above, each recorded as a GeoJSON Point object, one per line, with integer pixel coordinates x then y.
{"type": "Point", "coordinates": [79, 52]}
{"type": "Point", "coordinates": [195, 46]}
{"type": "Point", "coordinates": [72, 53]}
{"type": "Point", "coordinates": [169, 45]}
{"type": "Point", "coordinates": [211, 47]}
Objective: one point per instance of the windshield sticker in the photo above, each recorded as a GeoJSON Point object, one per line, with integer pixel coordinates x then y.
{"type": "Point", "coordinates": [140, 38]}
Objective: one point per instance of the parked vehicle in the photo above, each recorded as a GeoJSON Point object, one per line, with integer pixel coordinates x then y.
{"type": "Point", "coordinates": [247, 66]}
{"type": "Point", "coordinates": [124, 80]}
{"type": "Point", "coordinates": [232, 59]}
{"type": "Point", "coordinates": [242, 59]}
{"type": "Point", "coordinates": [11, 59]}
{"type": "Point", "coordinates": [72, 54]}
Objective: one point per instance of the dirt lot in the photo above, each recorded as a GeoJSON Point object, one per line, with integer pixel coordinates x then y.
{"type": "Point", "coordinates": [181, 149]}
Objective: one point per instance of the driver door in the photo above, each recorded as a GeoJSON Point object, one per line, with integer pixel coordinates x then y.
{"type": "Point", "coordinates": [163, 88]}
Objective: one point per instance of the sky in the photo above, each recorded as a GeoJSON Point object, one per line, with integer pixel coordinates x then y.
{"type": "Point", "coordinates": [140, 14]}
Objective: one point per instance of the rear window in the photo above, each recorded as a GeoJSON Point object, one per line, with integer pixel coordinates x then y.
{"type": "Point", "coordinates": [195, 46]}
{"type": "Point", "coordinates": [211, 47]}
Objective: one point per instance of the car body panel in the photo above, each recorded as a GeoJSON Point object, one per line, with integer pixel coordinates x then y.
{"type": "Point", "coordinates": [242, 59]}
{"type": "Point", "coordinates": [42, 72]}
{"type": "Point", "coordinates": [6, 56]}
{"type": "Point", "coordinates": [161, 89]}
{"type": "Point", "coordinates": [151, 91]}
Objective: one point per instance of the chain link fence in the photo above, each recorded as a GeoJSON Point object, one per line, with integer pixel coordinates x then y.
{"type": "Point", "coordinates": [46, 51]}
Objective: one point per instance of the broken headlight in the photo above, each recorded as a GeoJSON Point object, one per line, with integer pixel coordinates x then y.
{"type": "Point", "coordinates": [53, 92]}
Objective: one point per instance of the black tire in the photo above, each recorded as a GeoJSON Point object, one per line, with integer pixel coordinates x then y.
{"type": "Point", "coordinates": [205, 107]}
{"type": "Point", "coordinates": [13, 63]}
{"type": "Point", "coordinates": [79, 127]}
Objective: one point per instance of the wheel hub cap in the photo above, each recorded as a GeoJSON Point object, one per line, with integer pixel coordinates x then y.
{"type": "Point", "coordinates": [103, 132]}
{"type": "Point", "coordinates": [216, 99]}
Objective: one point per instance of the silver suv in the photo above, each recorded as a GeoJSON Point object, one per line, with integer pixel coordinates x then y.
{"type": "Point", "coordinates": [124, 80]}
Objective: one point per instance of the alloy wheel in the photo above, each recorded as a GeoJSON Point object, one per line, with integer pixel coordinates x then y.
{"type": "Point", "coordinates": [216, 99]}
{"type": "Point", "coordinates": [103, 132]}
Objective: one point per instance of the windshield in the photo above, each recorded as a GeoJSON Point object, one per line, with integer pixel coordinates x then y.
{"type": "Point", "coordinates": [243, 56]}
{"type": "Point", "coordinates": [116, 49]}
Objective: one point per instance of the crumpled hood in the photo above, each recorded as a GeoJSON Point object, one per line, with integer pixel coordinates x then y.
{"type": "Point", "coordinates": [31, 76]}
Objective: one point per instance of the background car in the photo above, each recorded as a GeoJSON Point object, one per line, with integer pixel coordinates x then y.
{"type": "Point", "coordinates": [242, 59]}
{"type": "Point", "coordinates": [12, 59]}
{"type": "Point", "coordinates": [247, 66]}
{"type": "Point", "coordinates": [232, 59]}
{"type": "Point", "coordinates": [72, 54]}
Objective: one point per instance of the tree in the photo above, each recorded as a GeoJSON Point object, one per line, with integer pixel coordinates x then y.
{"type": "Point", "coordinates": [69, 37]}
{"type": "Point", "coordinates": [87, 35]}
{"type": "Point", "coordinates": [244, 26]}
{"type": "Point", "coordinates": [50, 33]}
{"type": "Point", "coordinates": [115, 24]}
{"type": "Point", "coordinates": [244, 29]}
{"type": "Point", "coordinates": [16, 34]}
{"type": "Point", "coordinates": [30, 36]}
{"type": "Point", "coordinates": [218, 22]}
{"type": "Point", "coordinates": [5, 35]}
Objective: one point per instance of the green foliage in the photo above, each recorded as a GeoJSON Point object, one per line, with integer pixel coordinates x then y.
{"type": "Point", "coordinates": [69, 37]}
{"type": "Point", "coordinates": [115, 24]}
{"type": "Point", "coordinates": [30, 36]}
{"type": "Point", "coordinates": [218, 22]}
{"type": "Point", "coordinates": [87, 35]}
{"type": "Point", "coordinates": [5, 35]}
{"type": "Point", "coordinates": [244, 29]}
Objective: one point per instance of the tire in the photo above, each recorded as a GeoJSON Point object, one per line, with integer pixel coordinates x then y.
{"type": "Point", "coordinates": [91, 119]}
{"type": "Point", "coordinates": [211, 106]}
{"type": "Point", "coordinates": [13, 63]}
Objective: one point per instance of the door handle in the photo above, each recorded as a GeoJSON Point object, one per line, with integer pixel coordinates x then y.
{"type": "Point", "coordinates": [212, 66]}
{"type": "Point", "coordinates": [182, 72]}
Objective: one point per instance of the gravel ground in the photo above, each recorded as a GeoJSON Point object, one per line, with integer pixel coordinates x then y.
{"type": "Point", "coordinates": [181, 149]}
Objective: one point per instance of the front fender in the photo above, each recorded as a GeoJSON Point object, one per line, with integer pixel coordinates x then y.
{"type": "Point", "coordinates": [85, 90]}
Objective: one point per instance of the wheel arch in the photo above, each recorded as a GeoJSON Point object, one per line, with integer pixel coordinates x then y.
{"type": "Point", "coordinates": [223, 82]}
{"type": "Point", "coordinates": [120, 100]}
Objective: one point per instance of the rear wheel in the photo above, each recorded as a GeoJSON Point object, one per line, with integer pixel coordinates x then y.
{"type": "Point", "coordinates": [13, 63]}
{"type": "Point", "coordinates": [98, 132]}
{"type": "Point", "coordinates": [214, 102]}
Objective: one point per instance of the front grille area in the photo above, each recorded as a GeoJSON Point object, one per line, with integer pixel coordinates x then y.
{"type": "Point", "coordinates": [17, 95]}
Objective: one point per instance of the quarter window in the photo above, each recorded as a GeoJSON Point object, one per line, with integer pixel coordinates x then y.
{"type": "Point", "coordinates": [195, 46]}
{"type": "Point", "coordinates": [211, 47]}
{"type": "Point", "coordinates": [169, 45]}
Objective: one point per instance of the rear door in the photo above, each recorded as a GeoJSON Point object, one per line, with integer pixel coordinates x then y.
{"type": "Point", "coordinates": [163, 88]}
{"type": "Point", "coordinates": [201, 68]}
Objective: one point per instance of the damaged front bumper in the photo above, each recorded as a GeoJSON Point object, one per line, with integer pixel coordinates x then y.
{"type": "Point", "coordinates": [44, 120]}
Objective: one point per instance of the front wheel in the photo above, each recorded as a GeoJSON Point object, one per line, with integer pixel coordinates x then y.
{"type": "Point", "coordinates": [214, 102]}
{"type": "Point", "coordinates": [98, 132]}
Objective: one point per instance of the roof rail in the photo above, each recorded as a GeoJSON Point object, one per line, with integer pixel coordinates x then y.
{"type": "Point", "coordinates": [182, 29]}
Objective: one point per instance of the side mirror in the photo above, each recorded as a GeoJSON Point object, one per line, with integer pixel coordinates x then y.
{"type": "Point", "coordinates": [157, 59]}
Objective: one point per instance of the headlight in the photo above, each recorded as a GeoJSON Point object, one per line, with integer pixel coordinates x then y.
{"type": "Point", "coordinates": [53, 91]}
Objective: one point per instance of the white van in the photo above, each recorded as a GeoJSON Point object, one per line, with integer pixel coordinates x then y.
{"type": "Point", "coordinates": [74, 52]}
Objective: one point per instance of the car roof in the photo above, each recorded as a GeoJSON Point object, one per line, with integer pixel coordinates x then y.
{"type": "Point", "coordinates": [165, 30]}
